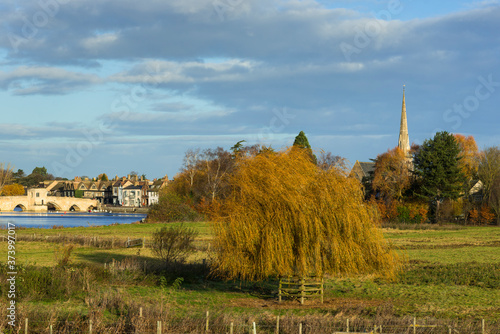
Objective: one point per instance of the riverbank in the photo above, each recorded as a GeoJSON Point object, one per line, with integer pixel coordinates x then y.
{"type": "Point", "coordinates": [124, 209]}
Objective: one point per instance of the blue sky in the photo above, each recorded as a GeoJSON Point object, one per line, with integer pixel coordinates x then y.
{"type": "Point", "coordinates": [118, 85]}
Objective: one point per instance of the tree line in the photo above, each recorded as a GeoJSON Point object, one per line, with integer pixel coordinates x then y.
{"type": "Point", "coordinates": [444, 179]}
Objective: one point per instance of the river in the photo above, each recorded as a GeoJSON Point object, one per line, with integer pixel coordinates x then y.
{"type": "Point", "coordinates": [47, 220]}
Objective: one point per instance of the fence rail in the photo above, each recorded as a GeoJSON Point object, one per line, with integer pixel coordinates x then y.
{"type": "Point", "coordinates": [206, 326]}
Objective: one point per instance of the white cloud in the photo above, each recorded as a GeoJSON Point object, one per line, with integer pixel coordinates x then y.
{"type": "Point", "coordinates": [26, 80]}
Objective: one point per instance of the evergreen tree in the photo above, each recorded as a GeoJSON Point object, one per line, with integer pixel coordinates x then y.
{"type": "Point", "coordinates": [437, 169]}
{"type": "Point", "coordinates": [301, 141]}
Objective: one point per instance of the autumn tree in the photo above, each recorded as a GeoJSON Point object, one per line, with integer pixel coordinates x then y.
{"type": "Point", "coordinates": [468, 165]}
{"type": "Point", "coordinates": [436, 164]}
{"type": "Point", "coordinates": [391, 176]}
{"type": "Point", "coordinates": [489, 174]}
{"type": "Point", "coordinates": [285, 216]}
{"type": "Point", "coordinates": [469, 154]}
{"type": "Point", "coordinates": [14, 189]}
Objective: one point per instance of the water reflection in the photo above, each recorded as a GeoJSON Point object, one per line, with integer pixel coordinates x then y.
{"type": "Point", "coordinates": [66, 219]}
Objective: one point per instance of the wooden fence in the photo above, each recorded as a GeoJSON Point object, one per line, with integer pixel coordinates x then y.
{"type": "Point", "coordinates": [300, 288]}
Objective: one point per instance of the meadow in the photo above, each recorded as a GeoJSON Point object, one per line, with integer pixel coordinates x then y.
{"type": "Point", "coordinates": [450, 281]}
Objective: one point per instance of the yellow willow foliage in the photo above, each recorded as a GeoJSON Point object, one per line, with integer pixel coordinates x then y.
{"type": "Point", "coordinates": [286, 216]}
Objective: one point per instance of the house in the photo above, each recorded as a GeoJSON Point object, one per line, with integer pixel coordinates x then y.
{"type": "Point", "coordinates": [132, 196]}
{"type": "Point", "coordinates": [362, 170]}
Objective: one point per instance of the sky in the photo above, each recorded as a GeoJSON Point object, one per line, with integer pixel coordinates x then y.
{"type": "Point", "coordinates": [114, 86]}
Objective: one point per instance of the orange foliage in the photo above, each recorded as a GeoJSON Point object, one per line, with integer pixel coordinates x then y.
{"type": "Point", "coordinates": [391, 176]}
{"type": "Point", "coordinates": [13, 190]}
{"type": "Point", "coordinates": [402, 212]}
{"type": "Point", "coordinates": [469, 155]}
{"type": "Point", "coordinates": [387, 211]}
{"type": "Point", "coordinates": [482, 216]}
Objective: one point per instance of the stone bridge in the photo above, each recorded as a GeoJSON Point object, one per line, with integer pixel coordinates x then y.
{"type": "Point", "coordinates": [37, 200]}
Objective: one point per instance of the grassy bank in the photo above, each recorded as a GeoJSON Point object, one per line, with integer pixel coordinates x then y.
{"type": "Point", "coordinates": [452, 277]}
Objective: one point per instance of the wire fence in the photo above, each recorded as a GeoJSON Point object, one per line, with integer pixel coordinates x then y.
{"type": "Point", "coordinates": [219, 323]}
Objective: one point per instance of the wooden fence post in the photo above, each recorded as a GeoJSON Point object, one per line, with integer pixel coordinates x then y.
{"type": "Point", "coordinates": [26, 325]}
{"type": "Point", "coordinates": [278, 324]}
{"type": "Point", "coordinates": [231, 329]}
{"type": "Point", "coordinates": [279, 291]}
{"type": "Point", "coordinates": [50, 329]}
{"type": "Point", "coordinates": [322, 289]}
{"type": "Point", "coordinates": [482, 327]}
{"type": "Point", "coordinates": [254, 328]}
{"type": "Point", "coordinates": [140, 312]}
{"type": "Point", "coordinates": [90, 326]}
{"type": "Point", "coordinates": [144, 242]}
{"type": "Point", "coordinates": [302, 290]}
{"type": "Point", "coordinates": [347, 326]}
{"type": "Point", "coordinates": [414, 325]}
{"type": "Point", "coordinates": [207, 323]}
{"type": "Point", "coordinates": [300, 328]}
{"type": "Point", "coordinates": [158, 327]}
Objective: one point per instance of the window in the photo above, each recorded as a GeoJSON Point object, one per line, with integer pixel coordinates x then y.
{"type": "Point", "coordinates": [37, 194]}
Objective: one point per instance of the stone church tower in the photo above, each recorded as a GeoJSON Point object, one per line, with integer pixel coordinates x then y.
{"type": "Point", "coordinates": [404, 140]}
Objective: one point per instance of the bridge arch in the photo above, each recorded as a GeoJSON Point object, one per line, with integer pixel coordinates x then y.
{"type": "Point", "coordinates": [74, 207]}
{"type": "Point", "coordinates": [53, 206]}
{"type": "Point", "coordinates": [21, 206]}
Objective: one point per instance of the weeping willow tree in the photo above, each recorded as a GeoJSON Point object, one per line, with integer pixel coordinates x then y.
{"type": "Point", "coordinates": [286, 216]}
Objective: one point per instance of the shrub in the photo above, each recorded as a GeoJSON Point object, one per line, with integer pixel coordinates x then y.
{"type": "Point", "coordinates": [172, 244]}
{"type": "Point", "coordinates": [63, 254]}
{"type": "Point", "coordinates": [171, 208]}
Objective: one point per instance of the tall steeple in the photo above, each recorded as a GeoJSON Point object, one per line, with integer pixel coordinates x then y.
{"type": "Point", "coordinates": [404, 140]}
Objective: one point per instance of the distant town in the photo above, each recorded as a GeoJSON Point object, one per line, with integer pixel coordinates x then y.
{"type": "Point", "coordinates": [84, 194]}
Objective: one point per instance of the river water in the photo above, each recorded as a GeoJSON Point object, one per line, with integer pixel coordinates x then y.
{"type": "Point", "coordinates": [47, 220]}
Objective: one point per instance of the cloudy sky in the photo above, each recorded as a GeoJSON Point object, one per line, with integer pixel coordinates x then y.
{"type": "Point", "coordinates": [92, 86]}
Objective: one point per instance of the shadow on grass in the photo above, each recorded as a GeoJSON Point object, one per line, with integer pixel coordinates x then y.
{"type": "Point", "coordinates": [196, 275]}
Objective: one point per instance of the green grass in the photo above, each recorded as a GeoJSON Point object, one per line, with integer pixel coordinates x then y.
{"type": "Point", "coordinates": [452, 273]}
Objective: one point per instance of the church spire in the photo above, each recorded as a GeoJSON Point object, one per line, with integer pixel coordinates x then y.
{"type": "Point", "coordinates": [404, 140]}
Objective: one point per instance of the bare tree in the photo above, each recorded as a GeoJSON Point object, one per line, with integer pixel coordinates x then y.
{"type": "Point", "coordinates": [5, 174]}
{"type": "Point", "coordinates": [327, 160]}
{"type": "Point", "coordinates": [217, 165]}
{"type": "Point", "coordinates": [489, 174]}
{"type": "Point", "coordinates": [191, 164]}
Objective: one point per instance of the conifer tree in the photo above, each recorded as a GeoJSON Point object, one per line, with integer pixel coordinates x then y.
{"type": "Point", "coordinates": [436, 166]}
{"type": "Point", "coordinates": [301, 141]}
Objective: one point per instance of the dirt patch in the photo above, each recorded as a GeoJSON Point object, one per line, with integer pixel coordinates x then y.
{"type": "Point", "coordinates": [330, 304]}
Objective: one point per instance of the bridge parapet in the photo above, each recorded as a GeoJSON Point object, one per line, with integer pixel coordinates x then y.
{"type": "Point", "coordinates": [37, 200]}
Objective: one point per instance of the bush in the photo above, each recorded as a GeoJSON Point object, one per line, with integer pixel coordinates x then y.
{"type": "Point", "coordinates": [63, 254]}
{"type": "Point", "coordinates": [171, 208]}
{"type": "Point", "coordinates": [172, 244]}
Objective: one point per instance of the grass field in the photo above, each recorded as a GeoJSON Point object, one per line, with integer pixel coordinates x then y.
{"type": "Point", "coordinates": [452, 274]}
